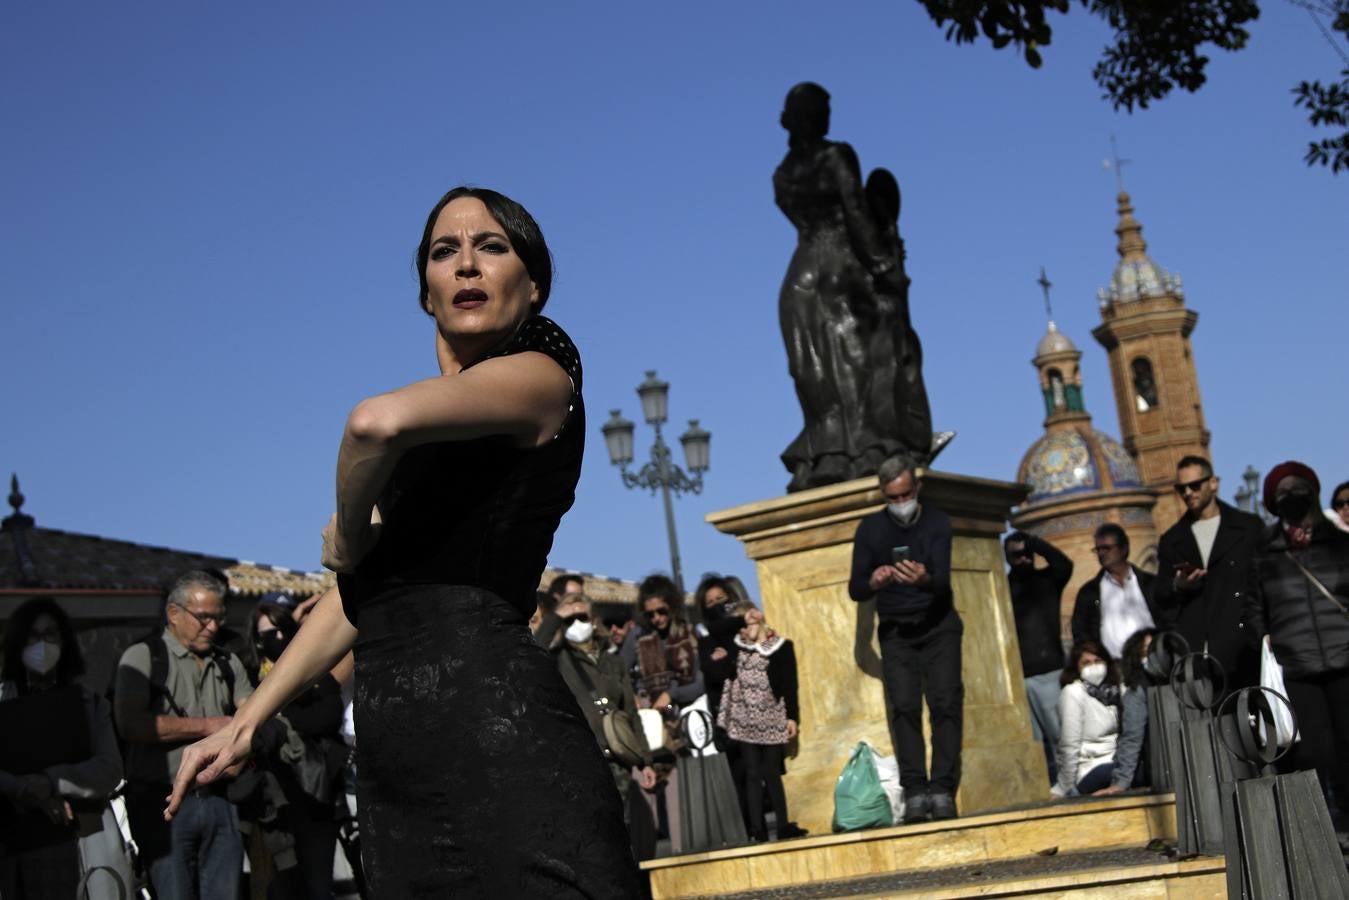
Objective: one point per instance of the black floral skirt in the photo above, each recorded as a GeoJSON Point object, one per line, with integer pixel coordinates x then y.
{"type": "Point", "coordinates": [477, 775]}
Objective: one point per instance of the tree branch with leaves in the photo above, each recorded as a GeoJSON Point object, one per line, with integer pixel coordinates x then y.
{"type": "Point", "coordinates": [1159, 45]}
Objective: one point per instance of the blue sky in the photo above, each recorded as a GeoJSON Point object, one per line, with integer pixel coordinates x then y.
{"type": "Point", "coordinates": [210, 213]}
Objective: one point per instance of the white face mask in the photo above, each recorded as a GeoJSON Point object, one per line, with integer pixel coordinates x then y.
{"type": "Point", "coordinates": [579, 632]}
{"type": "Point", "coordinates": [1093, 673]}
{"type": "Point", "coordinates": [904, 512]}
{"type": "Point", "coordinates": [42, 657]}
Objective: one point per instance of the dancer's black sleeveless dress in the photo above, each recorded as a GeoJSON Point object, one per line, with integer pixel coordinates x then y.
{"type": "Point", "coordinates": [477, 775]}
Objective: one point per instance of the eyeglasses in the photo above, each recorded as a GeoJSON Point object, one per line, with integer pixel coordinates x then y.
{"type": "Point", "coordinates": [203, 619]}
{"type": "Point", "coordinates": [51, 635]}
{"type": "Point", "coordinates": [1105, 548]}
{"type": "Point", "coordinates": [1192, 486]}
{"type": "Point", "coordinates": [662, 611]}
{"type": "Point", "coordinates": [580, 617]}
{"type": "Point", "coordinates": [1339, 503]}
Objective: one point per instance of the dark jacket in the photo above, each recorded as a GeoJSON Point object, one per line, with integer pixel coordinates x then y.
{"type": "Point", "coordinates": [721, 632]}
{"type": "Point", "coordinates": [1087, 612]}
{"type": "Point", "coordinates": [1308, 634]}
{"type": "Point", "coordinates": [1210, 615]}
{"type": "Point", "coordinates": [929, 543]}
{"type": "Point", "coordinates": [607, 674]}
{"type": "Point", "coordinates": [1036, 596]}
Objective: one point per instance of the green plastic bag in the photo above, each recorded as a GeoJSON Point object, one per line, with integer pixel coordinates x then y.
{"type": "Point", "coordinates": [859, 799]}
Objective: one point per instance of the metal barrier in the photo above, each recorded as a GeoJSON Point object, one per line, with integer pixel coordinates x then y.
{"type": "Point", "coordinates": [1277, 833]}
{"type": "Point", "coordinates": [1198, 683]}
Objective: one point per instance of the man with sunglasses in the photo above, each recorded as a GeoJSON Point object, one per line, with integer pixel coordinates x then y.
{"type": "Point", "coordinates": [1204, 571]}
{"type": "Point", "coordinates": [167, 696]}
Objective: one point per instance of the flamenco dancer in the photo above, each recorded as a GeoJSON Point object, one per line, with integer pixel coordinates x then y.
{"type": "Point", "coordinates": [477, 774]}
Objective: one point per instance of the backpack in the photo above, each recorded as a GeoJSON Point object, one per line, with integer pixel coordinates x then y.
{"type": "Point", "coordinates": [158, 680]}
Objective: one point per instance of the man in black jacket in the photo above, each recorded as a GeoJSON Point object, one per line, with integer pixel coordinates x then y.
{"type": "Point", "coordinates": [1036, 597]}
{"type": "Point", "coordinates": [1205, 565]}
{"type": "Point", "coordinates": [902, 558]}
{"type": "Point", "coordinates": [1118, 601]}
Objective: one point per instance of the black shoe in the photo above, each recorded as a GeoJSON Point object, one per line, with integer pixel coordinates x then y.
{"type": "Point", "coordinates": [917, 808]}
{"type": "Point", "coordinates": [791, 830]}
{"type": "Point", "coordinates": [943, 806]}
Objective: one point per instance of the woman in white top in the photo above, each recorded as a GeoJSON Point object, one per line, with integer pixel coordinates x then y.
{"type": "Point", "coordinates": [1089, 721]}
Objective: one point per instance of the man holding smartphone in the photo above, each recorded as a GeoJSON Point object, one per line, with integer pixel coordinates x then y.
{"type": "Point", "coordinates": [1204, 570]}
{"type": "Point", "coordinates": [902, 559]}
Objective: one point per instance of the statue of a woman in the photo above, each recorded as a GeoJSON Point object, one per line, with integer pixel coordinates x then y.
{"type": "Point", "coordinates": [844, 307]}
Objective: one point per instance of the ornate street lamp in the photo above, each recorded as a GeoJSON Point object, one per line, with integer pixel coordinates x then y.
{"type": "Point", "coordinates": [661, 472]}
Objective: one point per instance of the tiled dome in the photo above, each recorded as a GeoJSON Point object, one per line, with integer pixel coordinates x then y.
{"type": "Point", "coordinates": [1138, 279]}
{"type": "Point", "coordinates": [1136, 276]}
{"type": "Point", "coordinates": [1067, 463]}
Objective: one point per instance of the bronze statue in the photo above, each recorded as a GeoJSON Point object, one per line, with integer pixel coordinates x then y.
{"type": "Point", "coordinates": [844, 308]}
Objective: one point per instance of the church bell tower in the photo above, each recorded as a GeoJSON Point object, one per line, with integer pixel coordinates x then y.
{"type": "Point", "coordinates": [1145, 329]}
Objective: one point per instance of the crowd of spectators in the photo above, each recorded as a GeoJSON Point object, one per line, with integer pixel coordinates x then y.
{"type": "Point", "coordinates": [1227, 585]}
{"type": "Point", "coordinates": [694, 706]}
{"type": "Point", "coordinates": [61, 834]}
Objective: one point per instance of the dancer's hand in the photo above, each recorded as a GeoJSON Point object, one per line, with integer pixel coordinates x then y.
{"type": "Point", "coordinates": [342, 552]}
{"type": "Point", "coordinates": [647, 778]}
{"type": "Point", "coordinates": [792, 729]}
{"type": "Point", "coordinates": [299, 613]}
{"type": "Point", "coordinates": [223, 753]}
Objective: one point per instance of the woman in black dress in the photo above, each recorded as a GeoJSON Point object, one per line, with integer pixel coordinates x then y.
{"type": "Point", "coordinates": [477, 773]}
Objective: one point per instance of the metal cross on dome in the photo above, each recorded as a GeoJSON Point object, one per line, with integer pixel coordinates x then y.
{"type": "Point", "coordinates": [1116, 163]}
{"type": "Point", "coordinates": [1045, 284]}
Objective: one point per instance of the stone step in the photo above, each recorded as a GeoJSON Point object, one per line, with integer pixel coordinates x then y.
{"type": "Point", "coordinates": [1115, 874]}
{"type": "Point", "coordinates": [1126, 822]}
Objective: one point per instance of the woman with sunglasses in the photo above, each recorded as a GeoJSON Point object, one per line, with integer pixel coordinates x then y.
{"type": "Point", "coordinates": [662, 652]}
{"type": "Point", "coordinates": [59, 831]}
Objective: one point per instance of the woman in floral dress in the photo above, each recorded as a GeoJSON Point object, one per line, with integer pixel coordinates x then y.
{"type": "Point", "coordinates": [759, 712]}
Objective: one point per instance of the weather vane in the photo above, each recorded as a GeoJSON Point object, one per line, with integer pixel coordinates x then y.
{"type": "Point", "coordinates": [1116, 163]}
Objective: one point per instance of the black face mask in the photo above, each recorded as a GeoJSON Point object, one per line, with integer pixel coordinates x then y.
{"type": "Point", "coordinates": [718, 611]}
{"type": "Point", "coordinates": [1294, 506]}
{"type": "Point", "coordinates": [271, 644]}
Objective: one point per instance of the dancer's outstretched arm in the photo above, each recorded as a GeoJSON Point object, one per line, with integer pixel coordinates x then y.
{"type": "Point", "coordinates": [321, 642]}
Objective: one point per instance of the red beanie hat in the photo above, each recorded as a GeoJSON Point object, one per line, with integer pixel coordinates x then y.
{"type": "Point", "coordinates": [1282, 471]}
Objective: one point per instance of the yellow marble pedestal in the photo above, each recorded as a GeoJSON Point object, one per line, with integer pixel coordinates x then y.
{"type": "Point", "coordinates": [802, 545]}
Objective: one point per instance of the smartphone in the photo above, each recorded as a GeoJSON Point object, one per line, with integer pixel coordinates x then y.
{"type": "Point", "coordinates": [899, 555]}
